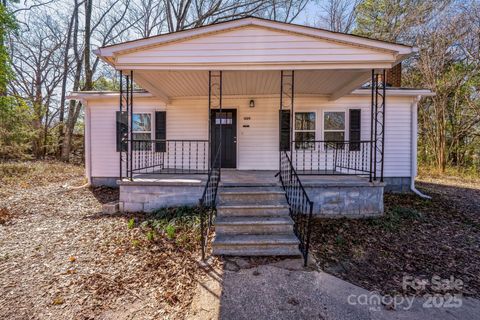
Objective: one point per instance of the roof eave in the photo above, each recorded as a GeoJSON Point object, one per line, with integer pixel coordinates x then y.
{"type": "Point", "coordinates": [397, 92]}
{"type": "Point", "coordinates": [112, 50]}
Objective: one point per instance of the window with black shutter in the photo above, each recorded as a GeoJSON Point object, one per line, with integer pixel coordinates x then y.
{"type": "Point", "coordinates": [284, 130]}
{"type": "Point", "coordinates": [160, 130]}
{"type": "Point", "coordinates": [122, 130]}
{"type": "Point", "coordinates": [354, 132]}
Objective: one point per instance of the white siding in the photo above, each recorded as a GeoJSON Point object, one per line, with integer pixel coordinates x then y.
{"type": "Point", "coordinates": [254, 44]}
{"type": "Point", "coordinates": [105, 159]}
{"type": "Point", "coordinates": [257, 144]}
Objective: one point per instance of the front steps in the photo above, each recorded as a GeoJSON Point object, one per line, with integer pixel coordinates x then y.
{"type": "Point", "coordinates": [254, 221]}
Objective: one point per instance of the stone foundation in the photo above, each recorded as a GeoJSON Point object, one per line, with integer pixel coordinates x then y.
{"type": "Point", "coordinates": [333, 196]}
{"type": "Point", "coordinates": [362, 199]}
{"type": "Point", "coordinates": [145, 197]}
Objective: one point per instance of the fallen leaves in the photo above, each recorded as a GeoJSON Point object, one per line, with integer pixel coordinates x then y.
{"type": "Point", "coordinates": [62, 258]}
{"type": "Point", "coordinates": [5, 215]}
{"type": "Point", "coordinates": [416, 237]}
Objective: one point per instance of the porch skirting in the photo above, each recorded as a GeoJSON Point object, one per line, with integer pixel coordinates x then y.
{"type": "Point", "coordinates": [346, 201]}
{"type": "Point", "coordinates": [148, 196]}
{"type": "Point", "coordinates": [333, 196]}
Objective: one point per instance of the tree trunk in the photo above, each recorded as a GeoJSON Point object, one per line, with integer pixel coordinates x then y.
{"type": "Point", "coordinates": [61, 116]}
{"type": "Point", "coordinates": [88, 68]}
{"type": "Point", "coordinates": [73, 106]}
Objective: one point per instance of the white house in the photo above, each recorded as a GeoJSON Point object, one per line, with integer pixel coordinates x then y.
{"type": "Point", "coordinates": [228, 106]}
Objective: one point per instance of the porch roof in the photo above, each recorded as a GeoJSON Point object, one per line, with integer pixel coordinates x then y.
{"type": "Point", "coordinates": [253, 37]}
{"type": "Point", "coordinates": [253, 50]}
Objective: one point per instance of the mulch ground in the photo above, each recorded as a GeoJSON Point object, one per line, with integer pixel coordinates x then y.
{"type": "Point", "coordinates": [61, 258]}
{"type": "Point", "coordinates": [416, 238]}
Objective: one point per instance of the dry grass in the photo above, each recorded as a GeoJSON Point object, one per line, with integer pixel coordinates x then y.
{"type": "Point", "coordinates": [452, 176]}
{"type": "Point", "coordinates": [28, 174]}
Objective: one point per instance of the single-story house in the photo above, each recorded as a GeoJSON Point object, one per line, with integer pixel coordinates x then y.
{"type": "Point", "coordinates": [276, 119]}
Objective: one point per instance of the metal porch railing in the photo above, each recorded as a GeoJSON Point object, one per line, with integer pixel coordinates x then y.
{"type": "Point", "coordinates": [166, 157]}
{"type": "Point", "coordinates": [208, 201]}
{"type": "Point", "coordinates": [301, 207]}
{"type": "Point", "coordinates": [331, 157]}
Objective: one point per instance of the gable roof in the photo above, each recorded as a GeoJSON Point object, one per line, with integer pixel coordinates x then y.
{"type": "Point", "coordinates": [109, 52]}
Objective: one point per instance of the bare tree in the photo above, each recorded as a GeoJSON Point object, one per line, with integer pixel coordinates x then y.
{"type": "Point", "coordinates": [37, 61]}
{"type": "Point", "coordinates": [148, 16]}
{"type": "Point", "coordinates": [338, 15]}
{"type": "Point", "coordinates": [102, 27]}
{"type": "Point", "coordinates": [448, 64]}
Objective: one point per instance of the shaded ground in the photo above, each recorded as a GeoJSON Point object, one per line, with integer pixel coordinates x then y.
{"type": "Point", "coordinates": [416, 237]}
{"type": "Point", "coordinates": [61, 258]}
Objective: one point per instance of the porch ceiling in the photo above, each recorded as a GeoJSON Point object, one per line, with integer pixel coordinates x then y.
{"type": "Point", "coordinates": [176, 84]}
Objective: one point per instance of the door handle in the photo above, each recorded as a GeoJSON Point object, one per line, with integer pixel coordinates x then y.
{"type": "Point", "coordinates": [235, 139]}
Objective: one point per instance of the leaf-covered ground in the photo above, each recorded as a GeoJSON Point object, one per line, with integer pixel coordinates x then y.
{"type": "Point", "coordinates": [416, 237]}
{"type": "Point", "coordinates": [61, 258]}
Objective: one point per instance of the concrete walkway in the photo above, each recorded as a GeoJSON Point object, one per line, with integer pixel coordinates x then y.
{"type": "Point", "coordinates": [285, 290]}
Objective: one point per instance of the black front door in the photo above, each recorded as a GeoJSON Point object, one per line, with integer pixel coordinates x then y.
{"type": "Point", "coordinates": [227, 120]}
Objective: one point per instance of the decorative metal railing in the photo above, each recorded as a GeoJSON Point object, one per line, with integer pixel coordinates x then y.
{"type": "Point", "coordinates": [208, 201]}
{"type": "Point", "coordinates": [331, 157]}
{"type": "Point", "coordinates": [167, 157]}
{"type": "Point", "coordinates": [301, 207]}
{"type": "Point", "coordinates": [377, 127]}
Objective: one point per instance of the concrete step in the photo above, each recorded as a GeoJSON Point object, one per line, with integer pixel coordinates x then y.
{"type": "Point", "coordinates": [253, 225]}
{"type": "Point", "coordinates": [255, 210]}
{"type": "Point", "coordinates": [256, 245]}
{"type": "Point", "coordinates": [266, 195]}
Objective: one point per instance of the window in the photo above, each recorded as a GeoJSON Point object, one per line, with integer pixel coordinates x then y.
{"type": "Point", "coordinates": [223, 118]}
{"type": "Point", "coordinates": [305, 130]}
{"type": "Point", "coordinates": [142, 130]}
{"type": "Point", "coordinates": [334, 127]}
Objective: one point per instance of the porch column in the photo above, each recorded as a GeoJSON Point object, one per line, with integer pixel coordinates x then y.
{"type": "Point", "coordinates": [125, 123]}
{"type": "Point", "coordinates": [287, 89]}
{"type": "Point", "coordinates": [119, 124]}
{"type": "Point", "coordinates": [130, 106]}
{"type": "Point", "coordinates": [377, 124]}
{"type": "Point", "coordinates": [215, 98]}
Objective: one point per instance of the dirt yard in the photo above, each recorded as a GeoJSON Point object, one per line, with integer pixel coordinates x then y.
{"type": "Point", "coordinates": [61, 258]}
{"type": "Point", "coordinates": [416, 237]}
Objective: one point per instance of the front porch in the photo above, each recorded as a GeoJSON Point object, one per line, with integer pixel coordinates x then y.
{"type": "Point", "coordinates": [259, 124]}
{"type": "Point", "coordinates": [335, 195]}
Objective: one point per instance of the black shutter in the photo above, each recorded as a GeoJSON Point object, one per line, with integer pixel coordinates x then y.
{"type": "Point", "coordinates": [160, 130]}
{"type": "Point", "coordinates": [354, 133]}
{"type": "Point", "coordinates": [122, 130]}
{"type": "Point", "coordinates": [284, 130]}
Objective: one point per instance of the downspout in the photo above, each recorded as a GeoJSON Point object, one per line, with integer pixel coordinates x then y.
{"type": "Point", "coordinates": [414, 142]}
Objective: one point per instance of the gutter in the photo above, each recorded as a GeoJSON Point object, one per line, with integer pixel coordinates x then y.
{"type": "Point", "coordinates": [414, 143]}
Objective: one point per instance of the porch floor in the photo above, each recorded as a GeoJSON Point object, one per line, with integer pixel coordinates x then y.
{"type": "Point", "coordinates": [234, 177]}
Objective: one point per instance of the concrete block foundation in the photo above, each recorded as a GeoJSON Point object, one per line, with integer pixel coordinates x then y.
{"type": "Point", "coordinates": [148, 196]}
{"type": "Point", "coordinates": [351, 197]}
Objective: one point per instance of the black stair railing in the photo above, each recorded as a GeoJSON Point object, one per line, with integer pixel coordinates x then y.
{"type": "Point", "coordinates": [301, 208]}
{"type": "Point", "coordinates": [208, 201]}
